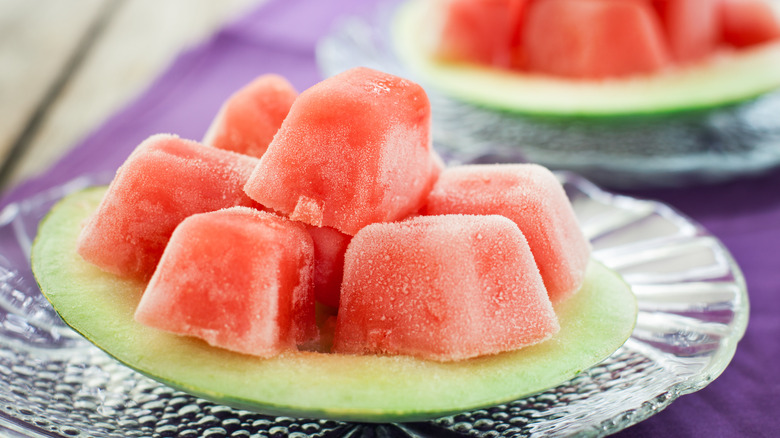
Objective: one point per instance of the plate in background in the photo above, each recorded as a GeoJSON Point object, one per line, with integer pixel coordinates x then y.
{"type": "Point", "coordinates": [634, 151]}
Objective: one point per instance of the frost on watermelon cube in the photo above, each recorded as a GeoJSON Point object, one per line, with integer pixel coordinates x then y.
{"type": "Point", "coordinates": [330, 245]}
{"type": "Point", "coordinates": [249, 119]}
{"type": "Point", "coordinates": [355, 149]}
{"type": "Point", "coordinates": [531, 196]}
{"type": "Point", "coordinates": [238, 278]}
{"type": "Point", "coordinates": [441, 288]}
{"type": "Point", "coordinates": [162, 182]}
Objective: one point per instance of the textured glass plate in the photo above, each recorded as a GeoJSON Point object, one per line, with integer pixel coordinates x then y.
{"type": "Point", "coordinates": [692, 147]}
{"type": "Point", "coordinates": [693, 310]}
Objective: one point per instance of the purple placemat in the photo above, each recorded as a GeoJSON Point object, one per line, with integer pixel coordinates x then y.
{"type": "Point", "coordinates": [745, 400]}
{"type": "Point", "coordinates": [280, 37]}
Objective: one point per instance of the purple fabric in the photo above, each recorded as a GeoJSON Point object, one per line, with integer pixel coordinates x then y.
{"type": "Point", "coordinates": [280, 37]}
{"type": "Point", "coordinates": [745, 400]}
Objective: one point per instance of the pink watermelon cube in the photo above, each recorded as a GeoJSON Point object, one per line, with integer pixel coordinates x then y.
{"type": "Point", "coordinates": [593, 39]}
{"type": "Point", "coordinates": [249, 119]}
{"type": "Point", "coordinates": [355, 149]}
{"type": "Point", "coordinates": [162, 182]}
{"type": "Point", "coordinates": [531, 196]}
{"type": "Point", "coordinates": [330, 245]}
{"type": "Point", "coordinates": [442, 288]}
{"type": "Point", "coordinates": [478, 31]}
{"type": "Point", "coordinates": [746, 23]}
{"type": "Point", "coordinates": [238, 278]}
{"type": "Point", "coordinates": [692, 27]}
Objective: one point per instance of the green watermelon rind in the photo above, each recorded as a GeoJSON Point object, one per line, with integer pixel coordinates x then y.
{"type": "Point", "coordinates": [100, 306]}
{"type": "Point", "coordinates": [727, 78]}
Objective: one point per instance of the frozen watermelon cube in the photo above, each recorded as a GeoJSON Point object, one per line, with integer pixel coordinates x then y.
{"type": "Point", "coordinates": [691, 27]}
{"type": "Point", "coordinates": [330, 245]}
{"type": "Point", "coordinates": [593, 39]}
{"type": "Point", "coordinates": [442, 288]}
{"type": "Point", "coordinates": [531, 196]}
{"type": "Point", "coordinates": [354, 149]}
{"type": "Point", "coordinates": [746, 23]}
{"type": "Point", "coordinates": [249, 119]}
{"type": "Point", "coordinates": [238, 278]}
{"type": "Point", "coordinates": [479, 31]}
{"type": "Point", "coordinates": [162, 182]}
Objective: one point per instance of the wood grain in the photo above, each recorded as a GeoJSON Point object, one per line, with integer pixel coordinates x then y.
{"type": "Point", "coordinates": [36, 45]}
{"type": "Point", "coordinates": [138, 41]}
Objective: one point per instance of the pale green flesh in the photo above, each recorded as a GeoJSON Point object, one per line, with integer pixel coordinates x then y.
{"type": "Point", "coordinates": [727, 78]}
{"type": "Point", "coordinates": [100, 306]}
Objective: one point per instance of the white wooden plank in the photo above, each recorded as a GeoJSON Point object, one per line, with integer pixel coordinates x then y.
{"type": "Point", "coordinates": [139, 43]}
{"type": "Point", "coordinates": [37, 37]}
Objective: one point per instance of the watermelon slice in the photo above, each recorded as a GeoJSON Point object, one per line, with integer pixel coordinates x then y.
{"type": "Point", "coordinates": [162, 182]}
{"type": "Point", "coordinates": [238, 278]}
{"type": "Point", "coordinates": [594, 323]}
{"type": "Point", "coordinates": [355, 149]}
{"type": "Point", "coordinates": [532, 197]}
{"type": "Point", "coordinates": [748, 22]}
{"type": "Point", "coordinates": [249, 119]}
{"type": "Point", "coordinates": [592, 39]}
{"type": "Point", "coordinates": [358, 152]}
{"type": "Point", "coordinates": [728, 78]}
{"type": "Point", "coordinates": [441, 288]}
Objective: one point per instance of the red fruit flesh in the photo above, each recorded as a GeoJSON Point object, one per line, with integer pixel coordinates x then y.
{"type": "Point", "coordinates": [249, 119]}
{"type": "Point", "coordinates": [329, 248]}
{"type": "Point", "coordinates": [441, 288]}
{"type": "Point", "coordinates": [354, 150]}
{"type": "Point", "coordinates": [748, 22]}
{"type": "Point", "coordinates": [238, 278]}
{"type": "Point", "coordinates": [532, 197]}
{"type": "Point", "coordinates": [163, 181]}
{"type": "Point", "coordinates": [577, 39]}
{"type": "Point", "coordinates": [691, 28]}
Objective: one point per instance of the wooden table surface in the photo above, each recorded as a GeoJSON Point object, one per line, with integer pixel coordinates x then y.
{"type": "Point", "coordinates": [66, 65]}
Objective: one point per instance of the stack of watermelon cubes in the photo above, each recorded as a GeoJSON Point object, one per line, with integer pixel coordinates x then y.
{"type": "Point", "coordinates": [576, 39]}
{"type": "Point", "coordinates": [334, 201]}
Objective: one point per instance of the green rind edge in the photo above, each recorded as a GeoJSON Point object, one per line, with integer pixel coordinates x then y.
{"type": "Point", "coordinates": [728, 78]}
{"type": "Point", "coordinates": [100, 306]}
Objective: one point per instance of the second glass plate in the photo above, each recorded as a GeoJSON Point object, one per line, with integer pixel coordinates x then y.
{"type": "Point", "coordinates": [632, 151]}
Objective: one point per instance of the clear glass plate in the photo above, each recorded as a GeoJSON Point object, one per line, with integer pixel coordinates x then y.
{"type": "Point", "coordinates": [674, 149]}
{"type": "Point", "coordinates": [693, 310]}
